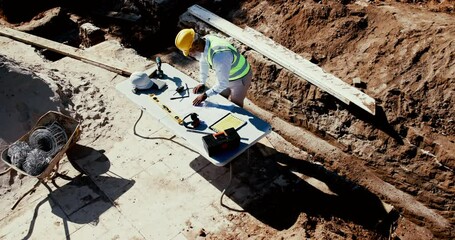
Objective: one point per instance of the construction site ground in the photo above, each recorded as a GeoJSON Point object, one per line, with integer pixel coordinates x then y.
{"type": "Point", "coordinates": [327, 170]}
{"type": "Point", "coordinates": [116, 184]}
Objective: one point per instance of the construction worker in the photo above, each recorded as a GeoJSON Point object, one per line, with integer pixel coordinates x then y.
{"type": "Point", "coordinates": [233, 72]}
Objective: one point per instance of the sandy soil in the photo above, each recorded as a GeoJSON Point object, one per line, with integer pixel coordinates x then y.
{"type": "Point", "coordinates": [404, 55]}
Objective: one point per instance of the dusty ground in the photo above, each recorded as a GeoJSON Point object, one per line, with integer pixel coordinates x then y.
{"type": "Point", "coordinates": [404, 54]}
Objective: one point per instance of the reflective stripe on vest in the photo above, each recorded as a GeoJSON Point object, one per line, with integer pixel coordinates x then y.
{"type": "Point", "coordinates": [239, 66]}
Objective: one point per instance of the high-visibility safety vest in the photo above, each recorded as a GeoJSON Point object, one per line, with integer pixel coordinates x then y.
{"type": "Point", "coordinates": [239, 67]}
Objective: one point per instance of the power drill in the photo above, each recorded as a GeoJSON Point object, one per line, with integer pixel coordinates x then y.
{"type": "Point", "coordinates": [159, 72]}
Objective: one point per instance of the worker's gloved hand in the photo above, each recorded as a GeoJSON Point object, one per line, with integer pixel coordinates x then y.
{"type": "Point", "coordinates": [199, 88]}
{"type": "Point", "coordinates": [199, 99]}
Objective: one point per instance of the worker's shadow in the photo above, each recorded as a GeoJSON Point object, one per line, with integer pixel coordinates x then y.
{"type": "Point", "coordinates": [269, 189]}
{"type": "Point", "coordinates": [88, 195]}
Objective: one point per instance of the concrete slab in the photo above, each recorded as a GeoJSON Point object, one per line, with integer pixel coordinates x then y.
{"type": "Point", "coordinates": [35, 221]}
{"type": "Point", "coordinates": [112, 187]}
{"type": "Point", "coordinates": [181, 159]}
{"type": "Point", "coordinates": [128, 157]}
{"type": "Point", "coordinates": [165, 203]}
{"type": "Point", "coordinates": [110, 224]}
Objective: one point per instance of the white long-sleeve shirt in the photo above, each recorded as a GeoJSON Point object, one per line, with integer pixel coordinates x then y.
{"type": "Point", "coordinates": [221, 64]}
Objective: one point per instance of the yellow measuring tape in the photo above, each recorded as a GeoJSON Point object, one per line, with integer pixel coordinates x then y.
{"type": "Point", "coordinates": [166, 109]}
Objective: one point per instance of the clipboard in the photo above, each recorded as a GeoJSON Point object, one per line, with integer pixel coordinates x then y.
{"type": "Point", "coordinates": [227, 121]}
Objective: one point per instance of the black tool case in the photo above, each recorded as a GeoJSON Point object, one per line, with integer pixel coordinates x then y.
{"type": "Point", "coordinates": [221, 142]}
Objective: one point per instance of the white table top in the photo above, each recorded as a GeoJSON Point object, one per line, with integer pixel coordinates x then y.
{"type": "Point", "coordinates": [209, 112]}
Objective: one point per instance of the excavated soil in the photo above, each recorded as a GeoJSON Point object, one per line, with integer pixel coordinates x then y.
{"type": "Point", "coordinates": [403, 54]}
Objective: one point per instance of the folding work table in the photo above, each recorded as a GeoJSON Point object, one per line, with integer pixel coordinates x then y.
{"type": "Point", "coordinates": [158, 103]}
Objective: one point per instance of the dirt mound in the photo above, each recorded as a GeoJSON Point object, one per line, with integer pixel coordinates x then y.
{"type": "Point", "coordinates": [405, 58]}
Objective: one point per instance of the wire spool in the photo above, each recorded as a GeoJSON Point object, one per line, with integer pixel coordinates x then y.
{"type": "Point", "coordinates": [37, 160]}
{"type": "Point", "coordinates": [17, 153]}
{"type": "Point", "coordinates": [50, 138]}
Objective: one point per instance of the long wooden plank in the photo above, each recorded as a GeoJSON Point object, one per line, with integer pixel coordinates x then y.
{"type": "Point", "coordinates": [289, 60]}
{"type": "Point", "coordinates": [309, 70]}
{"type": "Point", "coordinates": [296, 64]}
{"type": "Point", "coordinates": [61, 49]}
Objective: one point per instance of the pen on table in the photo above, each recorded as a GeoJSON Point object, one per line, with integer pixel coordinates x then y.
{"type": "Point", "coordinates": [197, 131]}
{"type": "Point", "coordinates": [173, 98]}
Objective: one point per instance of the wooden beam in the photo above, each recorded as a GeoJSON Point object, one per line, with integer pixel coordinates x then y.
{"type": "Point", "coordinates": [289, 60]}
{"type": "Point", "coordinates": [61, 49]}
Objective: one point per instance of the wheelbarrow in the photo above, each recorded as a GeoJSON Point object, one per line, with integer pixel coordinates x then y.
{"type": "Point", "coordinates": [71, 130]}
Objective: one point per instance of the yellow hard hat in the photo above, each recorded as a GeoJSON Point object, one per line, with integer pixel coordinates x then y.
{"type": "Point", "coordinates": [184, 40]}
